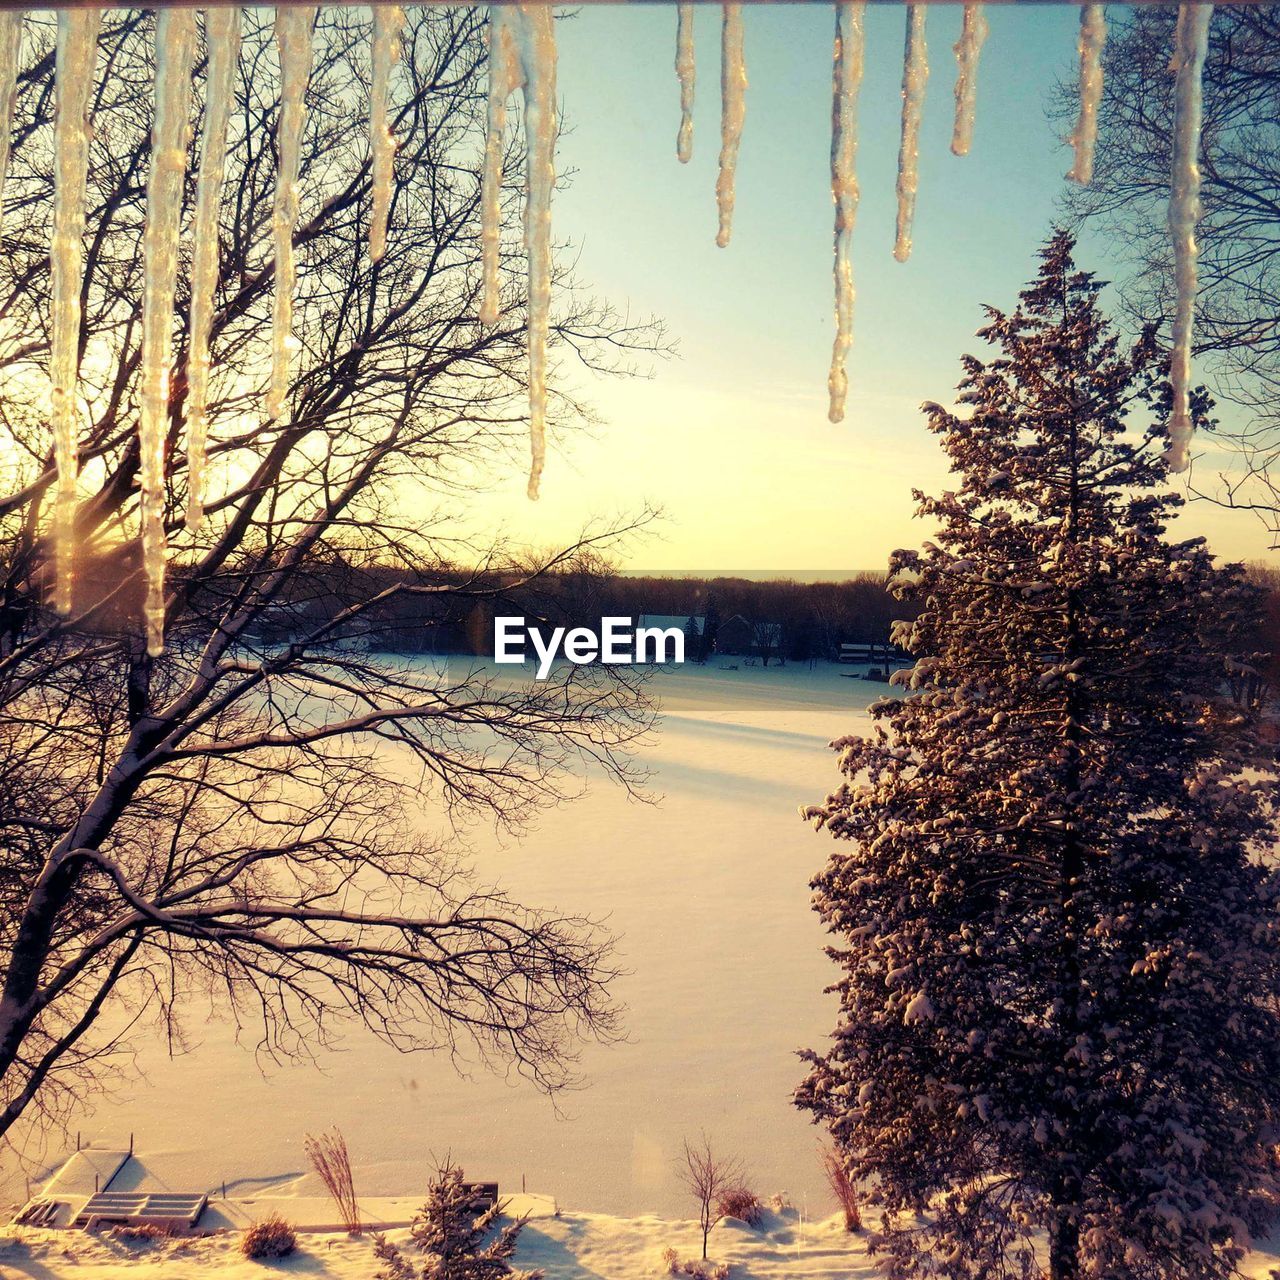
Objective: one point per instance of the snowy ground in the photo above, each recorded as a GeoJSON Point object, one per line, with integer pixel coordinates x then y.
{"type": "Point", "coordinates": [572, 1247]}
{"type": "Point", "coordinates": [709, 892]}
{"type": "Point", "coordinates": [575, 1246]}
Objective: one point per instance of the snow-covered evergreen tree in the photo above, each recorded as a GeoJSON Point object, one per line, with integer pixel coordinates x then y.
{"type": "Point", "coordinates": [456, 1241]}
{"type": "Point", "coordinates": [1053, 894]}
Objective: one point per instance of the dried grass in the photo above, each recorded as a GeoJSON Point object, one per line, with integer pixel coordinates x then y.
{"type": "Point", "coordinates": [330, 1159]}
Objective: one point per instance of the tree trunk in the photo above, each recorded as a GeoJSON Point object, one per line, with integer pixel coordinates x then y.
{"type": "Point", "coordinates": [1064, 1248]}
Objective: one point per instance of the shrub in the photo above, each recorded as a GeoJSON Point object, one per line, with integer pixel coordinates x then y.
{"type": "Point", "coordinates": [842, 1188]}
{"type": "Point", "coordinates": [330, 1159]}
{"type": "Point", "coordinates": [455, 1240]}
{"type": "Point", "coordinates": [698, 1268]}
{"type": "Point", "coordinates": [741, 1203]}
{"type": "Point", "coordinates": [273, 1237]}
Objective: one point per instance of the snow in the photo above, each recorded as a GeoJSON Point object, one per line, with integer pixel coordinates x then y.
{"type": "Point", "coordinates": [915, 75]}
{"type": "Point", "coordinates": [1191, 44]}
{"type": "Point", "coordinates": [1084, 137]}
{"type": "Point", "coordinates": [175, 49]}
{"type": "Point", "coordinates": [686, 73]}
{"type": "Point", "coordinates": [222, 31]}
{"type": "Point", "coordinates": [77, 55]}
{"type": "Point", "coordinates": [846, 80]}
{"type": "Point", "coordinates": [733, 114]}
{"type": "Point", "coordinates": [573, 1246]}
{"type": "Point", "coordinates": [709, 892]}
{"type": "Point", "coordinates": [10, 49]}
{"type": "Point", "coordinates": [973, 34]}
{"type": "Point", "coordinates": [294, 24]}
{"type": "Point", "coordinates": [388, 21]}
{"type": "Point", "coordinates": [522, 55]}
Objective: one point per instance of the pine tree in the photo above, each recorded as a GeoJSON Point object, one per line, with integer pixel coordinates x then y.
{"type": "Point", "coordinates": [1054, 897]}
{"type": "Point", "coordinates": [458, 1242]}
{"type": "Point", "coordinates": [710, 629]}
{"type": "Point", "coordinates": [692, 640]}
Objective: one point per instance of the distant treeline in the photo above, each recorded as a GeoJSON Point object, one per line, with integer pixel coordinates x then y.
{"type": "Point", "coordinates": [452, 611]}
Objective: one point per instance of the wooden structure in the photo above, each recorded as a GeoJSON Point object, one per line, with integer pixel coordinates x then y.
{"type": "Point", "coordinates": [175, 1211]}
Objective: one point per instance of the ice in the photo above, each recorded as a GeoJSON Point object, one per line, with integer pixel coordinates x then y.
{"type": "Point", "coordinates": [294, 24]}
{"type": "Point", "coordinates": [686, 68]}
{"type": "Point", "coordinates": [1191, 44]}
{"type": "Point", "coordinates": [846, 80]}
{"type": "Point", "coordinates": [915, 75]}
{"type": "Point", "coordinates": [1084, 137]}
{"type": "Point", "coordinates": [222, 34]}
{"type": "Point", "coordinates": [170, 136]}
{"type": "Point", "coordinates": [973, 34]}
{"type": "Point", "coordinates": [733, 112]}
{"type": "Point", "coordinates": [10, 50]}
{"type": "Point", "coordinates": [522, 55]}
{"type": "Point", "coordinates": [76, 58]}
{"type": "Point", "coordinates": [388, 21]}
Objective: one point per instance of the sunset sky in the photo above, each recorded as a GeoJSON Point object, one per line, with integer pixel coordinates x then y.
{"type": "Point", "coordinates": [731, 436]}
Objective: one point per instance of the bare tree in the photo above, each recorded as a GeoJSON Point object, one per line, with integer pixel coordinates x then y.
{"type": "Point", "coordinates": [1238, 306]}
{"type": "Point", "coordinates": [242, 820]}
{"type": "Point", "coordinates": [708, 1178]}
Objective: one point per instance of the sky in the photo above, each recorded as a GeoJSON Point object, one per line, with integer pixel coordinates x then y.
{"type": "Point", "coordinates": [730, 435]}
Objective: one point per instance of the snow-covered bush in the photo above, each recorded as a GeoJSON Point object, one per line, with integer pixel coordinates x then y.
{"type": "Point", "coordinates": [698, 1268]}
{"type": "Point", "coordinates": [741, 1203]}
{"type": "Point", "coordinates": [273, 1237]}
{"type": "Point", "coordinates": [454, 1240]}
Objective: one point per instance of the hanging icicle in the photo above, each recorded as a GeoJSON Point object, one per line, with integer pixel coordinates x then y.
{"type": "Point", "coordinates": [686, 69]}
{"type": "Point", "coordinates": [222, 33]}
{"type": "Point", "coordinates": [915, 74]}
{"type": "Point", "coordinates": [75, 61]}
{"type": "Point", "coordinates": [1084, 137]}
{"type": "Point", "coordinates": [170, 136]}
{"type": "Point", "coordinates": [973, 34]}
{"type": "Point", "coordinates": [388, 22]}
{"type": "Point", "coordinates": [1190, 49]}
{"type": "Point", "coordinates": [294, 24]}
{"type": "Point", "coordinates": [522, 55]}
{"type": "Point", "coordinates": [846, 80]}
{"type": "Point", "coordinates": [10, 52]}
{"type": "Point", "coordinates": [733, 113]}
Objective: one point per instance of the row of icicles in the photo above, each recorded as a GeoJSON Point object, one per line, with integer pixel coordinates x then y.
{"type": "Point", "coordinates": [522, 56]}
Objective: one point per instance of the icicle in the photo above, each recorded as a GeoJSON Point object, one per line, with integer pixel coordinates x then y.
{"type": "Point", "coordinates": [522, 54]}
{"type": "Point", "coordinates": [294, 24]}
{"type": "Point", "coordinates": [733, 112]}
{"type": "Point", "coordinates": [846, 80]}
{"type": "Point", "coordinates": [504, 80]}
{"type": "Point", "coordinates": [222, 31]}
{"type": "Point", "coordinates": [915, 73]}
{"type": "Point", "coordinates": [1093, 36]}
{"type": "Point", "coordinates": [76, 57]}
{"type": "Point", "coordinates": [973, 35]}
{"type": "Point", "coordinates": [686, 69]}
{"type": "Point", "coordinates": [10, 52]}
{"type": "Point", "coordinates": [170, 134]}
{"type": "Point", "coordinates": [1191, 48]}
{"type": "Point", "coordinates": [388, 21]}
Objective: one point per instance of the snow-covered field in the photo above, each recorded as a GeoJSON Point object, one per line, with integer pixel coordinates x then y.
{"type": "Point", "coordinates": [708, 890]}
{"type": "Point", "coordinates": [571, 1247]}
{"type": "Point", "coordinates": [574, 1246]}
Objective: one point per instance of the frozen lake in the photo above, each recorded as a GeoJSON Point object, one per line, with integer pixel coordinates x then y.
{"type": "Point", "coordinates": [709, 892]}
